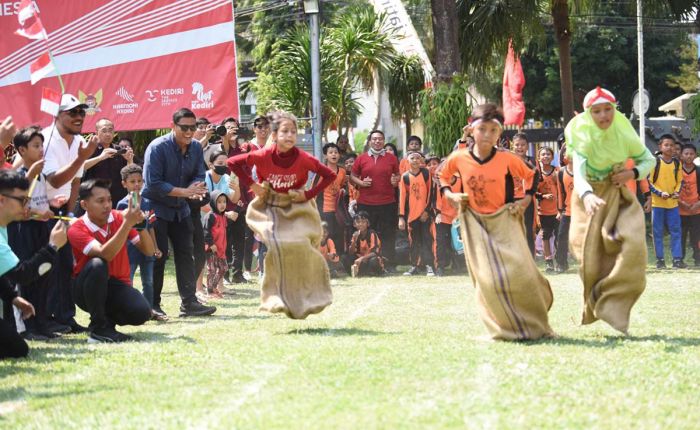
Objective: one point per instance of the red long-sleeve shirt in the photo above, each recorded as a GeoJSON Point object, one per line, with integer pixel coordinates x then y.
{"type": "Point", "coordinates": [283, 171]}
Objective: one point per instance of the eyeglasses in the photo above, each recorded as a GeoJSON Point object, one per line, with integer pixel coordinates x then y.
{"type": "Point", "coordinates": [22, 200]}
{"type": "Point", "coordinates": [76, 112]}
{"type": "Point", "coordinates": [187, 127]}
{"type": "Point", "coordinates": [261, 126]}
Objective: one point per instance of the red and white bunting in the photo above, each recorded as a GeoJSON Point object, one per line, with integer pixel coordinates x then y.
{"type": "Point", "coordinates": [29, 22]}
{"type": "Point", "coordinates": [27, 9]}
{"type": "Point", "coordinates": [50, 101]}
{"type": "Point", "coordinates": [41, 68]}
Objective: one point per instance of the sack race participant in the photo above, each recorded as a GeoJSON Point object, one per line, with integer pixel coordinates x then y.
{"type": "Point", "coordinates": [512, 295]}
{"type": "Point", "coordinates": [296, 279]}
{"type": "Point", "coordinates": [607, 222]}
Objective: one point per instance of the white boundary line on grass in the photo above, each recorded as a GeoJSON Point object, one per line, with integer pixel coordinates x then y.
{"type": "Point", "coordinates": [361, 311]}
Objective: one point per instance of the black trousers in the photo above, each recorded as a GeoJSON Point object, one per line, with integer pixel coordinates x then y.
{"type": "Point", "coordinates": [25, 239]}
{"type": "Point", "coordinates": [11, 343]}
{"type": "Point", "coordinates": [239, 244]}
{"type": "Point", "coordinates": [443, 233]}
{"type": "Point", "coordinates": [529, 218]}
{"type": "Point", "coordinates": [180, 233]}
{"type": "Point", "coordinates": [335, 231]}
{"type": "Point", "coordinates": [690, 229]}
{"type": "Point", "coordinates": [108, 300]}
{"type": "Point", "coordinates": [562, 254]}
{"type": "Point", "coordinates": [421, 243]}
{"type": "Point", "coordinates": [60, 301]}
{"type": "Point", "coordinates": [200, 257]}
{"type": "Point", "coordinates": [384, 219]}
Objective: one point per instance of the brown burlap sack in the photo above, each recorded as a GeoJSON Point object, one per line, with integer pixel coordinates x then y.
{"type": "Point", "coordinates": [296, 279]}
{"type": "Point", "coordinates": [611, 247]}
{"type": "Point", "coordinates": [513, 297]}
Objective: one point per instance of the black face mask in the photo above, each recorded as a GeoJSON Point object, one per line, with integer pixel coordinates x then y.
{"type": "Point", "coordinates": [220, 170]}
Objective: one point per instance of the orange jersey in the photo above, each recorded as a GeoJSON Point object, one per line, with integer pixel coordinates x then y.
{"type": "Point", "coordinates": [404, 166]}
{"type": "Point", "coordinates": [488, 182]}
{"type": "Point", "coordinates": [330, 194]}
{"type": "Point", "coordinates": [353, 192]}
{"type": "Point", "coordinates": [566, 188]}
{"type": "Point", "coordinates": [415, 193]}
{"type": "Point", "coordinates": [448, 213]}
{"type": "Point", "coordinates": [547, 185]}
{"type": "Point", "coordinates": [690, 193]}
{"type": "Point", "coordinates": [633, 184]}
{"type": "Point", "coordinates": [519, 183]}
{"type": "Point", "coordinates": [365, 245]}
{"type": "Point", "coordinates": [328, 251]}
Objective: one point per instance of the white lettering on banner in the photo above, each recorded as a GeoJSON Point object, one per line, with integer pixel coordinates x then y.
{"type": "Point", "coordinates": [407, 40]}
{"type": "Point", "coordinates": [166, 95]}
{"type": "Point", "coordinates": [7, 9]}
{"type": "Point", "coordinates": [204, 98]}
{"type": "Point", "coordinates": [280, 181]}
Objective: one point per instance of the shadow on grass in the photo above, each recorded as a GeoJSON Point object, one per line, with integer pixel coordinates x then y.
{"type": "Point", "coordinates": [334, 332]}
{"type": "Point", "coordinates": [158, 337]}
{"type": "Point", "coordinates": [672, 343]}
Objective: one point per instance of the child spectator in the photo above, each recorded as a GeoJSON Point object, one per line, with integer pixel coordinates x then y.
{"type": "Point", "coordinates": [689, 203]}
{"type": "Point", "coordinates": [415, 212]}
{"type": "Point", "coordinates": [677, 150]}
{"type": "Point", "coordinates": [520, 146]}
{"type": "Point", "coordinates": [327, 201]}
{"type": "Point", "coordinates": [215, 242]}
{"type": "Point", "coordinates": [328, 250]}
{"type": "Point", "coordinates": [547, 197]}
{"type": "Point", "coordinates": [414, 144]}
{"type": "Point", "coordinates": [665, 183]}
{"type": "Point", "coordinates": [565, 183]}
{"type": "Point", "coordinates": [364, 256]}
{"type": "Point", "coordinates": [446, 214]}
{"type": "Point", "coordinates": [132, 181]}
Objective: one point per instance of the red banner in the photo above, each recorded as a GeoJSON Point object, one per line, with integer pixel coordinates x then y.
{"type": "Point", "coordinates": [132, 61]}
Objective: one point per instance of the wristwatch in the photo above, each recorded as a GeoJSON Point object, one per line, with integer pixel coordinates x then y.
{"type": "Point", "coordinates": [52, 246]}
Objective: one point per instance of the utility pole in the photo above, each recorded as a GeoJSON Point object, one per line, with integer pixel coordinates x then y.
{"type": "Point", "coordinates": [311, 8]}
{"type": "Point", "coordinates": [640, 68]}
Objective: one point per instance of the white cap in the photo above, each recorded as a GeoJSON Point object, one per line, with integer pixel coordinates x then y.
{"type": "Point", "coordinates": [69, 101]}
{"type": "Point", "coordinates": [598, 96]}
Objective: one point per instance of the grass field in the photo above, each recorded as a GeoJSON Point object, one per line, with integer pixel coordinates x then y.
{"type": "Point", "coordinates": [389, 353]}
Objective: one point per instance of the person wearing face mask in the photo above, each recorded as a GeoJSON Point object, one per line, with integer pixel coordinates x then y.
{"type": "Point", "coordinates": [606, 218]}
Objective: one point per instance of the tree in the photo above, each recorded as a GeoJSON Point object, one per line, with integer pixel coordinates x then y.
{"type": "Point", "coordinates": [404, 81]}
{"type": "Point", "coordinates": [687, 78]}
{"type": "Point", "coordinates": [446, 31]}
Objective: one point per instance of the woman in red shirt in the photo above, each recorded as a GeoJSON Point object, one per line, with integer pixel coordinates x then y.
{"type": "Point", "coordinates": [284, 215]}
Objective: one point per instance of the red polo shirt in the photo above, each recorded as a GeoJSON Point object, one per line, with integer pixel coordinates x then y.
{"type": "Point", "coordinates": [380, 169]}
{"type": "Point", "coordinates": [83, 235]}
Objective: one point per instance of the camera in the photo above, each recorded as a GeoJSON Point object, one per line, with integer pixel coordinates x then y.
{"type": "Point", "coordinates": [121, 150]}
{"type": "Point", "coordinates": [220, 130]}
{"type": "Point", "coordinates": [245, 133]}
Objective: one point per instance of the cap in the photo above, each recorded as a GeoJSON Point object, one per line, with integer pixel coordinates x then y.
{"type": "Point", "coordinates": [598, 96]}
{"type": "Point", "coordinates": [69, 101]}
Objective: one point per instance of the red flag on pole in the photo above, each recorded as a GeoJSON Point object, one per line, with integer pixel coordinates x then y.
{"type": "Point", "coordinates": [41, 68]}
{"type": "Point", "coordinates": [29, 22]}
{"type": "Point", "coordinates": [513, 84]}
{"type": "Point", "coordinates": [50, 101]}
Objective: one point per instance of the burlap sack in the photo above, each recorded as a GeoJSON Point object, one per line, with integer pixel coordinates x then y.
{"type": "Point", "coordinates": [296, 280]}
{"type": "Point", "coordinates": [611, 247]}
{"type": "Point", "coordinates": [513, 297]}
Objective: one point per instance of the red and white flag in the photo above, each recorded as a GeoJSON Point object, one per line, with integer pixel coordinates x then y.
{"type": "Point", "coordinates": [30, 24]}
{"type": "Point", "coordinates": [50, 101]}
{"type": "Point", "coordinates": [41, 67]}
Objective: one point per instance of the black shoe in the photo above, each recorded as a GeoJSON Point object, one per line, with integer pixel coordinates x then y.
{"type": "Point", "coordinates": [238, 278]}
{"type": "Point", "coordinates": [159, 311]}
{"type": "Point", "coordinates": [77, 328]}
{"type": "Point", "coordinates": [679, 264]}
{"type": "Point", "coordinates": [549, 266]}
{"type": "Point", "coordinates": [412, 271]}
{"type": "Point", "coordinates": [33, 335]}
{"type": "Point", "coordinates": [49, 334]}
{"type": "Point", "coordinates": [660, 263]}
{"type": "Point", "coordinates": [54, 327]}
{"type": "Point", "coordinates": [439, 272]}
{"type": "Point", "coordinates": [196, 309]}
{"type": "Point", "coordinates": [106, 335]}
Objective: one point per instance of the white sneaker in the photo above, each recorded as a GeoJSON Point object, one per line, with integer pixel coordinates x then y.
{"type": "Point", "coordinates": [429, 271]}
{"type": "Point", "coordinates": [247, 276]}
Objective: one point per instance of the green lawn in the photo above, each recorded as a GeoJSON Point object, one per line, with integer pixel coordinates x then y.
{"type": "Point", "coordinates": [389, 353]}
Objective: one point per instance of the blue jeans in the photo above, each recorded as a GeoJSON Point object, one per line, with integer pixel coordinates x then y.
{"type": "Point", "coordinates": [145, 263]}
{"type": "Point", "coordinates": [667, 218]}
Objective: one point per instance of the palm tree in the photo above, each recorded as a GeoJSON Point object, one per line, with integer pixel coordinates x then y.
{"type": "Point", "coordinates": [361, 45]}
{"type": "Point", "coordinates": [404, 81]}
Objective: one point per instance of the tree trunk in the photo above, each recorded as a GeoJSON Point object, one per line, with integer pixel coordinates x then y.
{"type": "Point", "coordinates": [377, 89]}
{"type": "Point", "coordinates": [445, 34]}
{"type": "Point", "coordinates": [407, 122]}
{"type": "Point", "coordinates": [560, 15]}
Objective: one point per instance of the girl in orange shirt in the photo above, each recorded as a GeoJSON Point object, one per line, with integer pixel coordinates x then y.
{"type": "Point", "coordinates": [327, 201]}
{"type": "Point", "coordinates": [520, 148]}
{"type": "Point", "coordinates": [513, 297]}
{"type": "Point", "coordinates": [547, 195]}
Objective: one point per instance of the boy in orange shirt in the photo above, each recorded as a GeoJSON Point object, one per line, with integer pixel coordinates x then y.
{"type": "Point", "coordinates": [327, 248]}
{"type": "Point", "coordinates": [413, 144]}
{"type": "Point", "coordinates": [565, 187]}
{"type": "Point", "coordinates": [415, 211]}
{"type": "Point", "coordinates": [547, 196]}
{"type": "Point", "coordinates": [689, 202]}
{"type": "Point", "coordinates": [364, 255]}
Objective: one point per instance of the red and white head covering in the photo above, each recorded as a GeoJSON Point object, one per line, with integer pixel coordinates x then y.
{"type": "Point", "coordinates": [598, 96]}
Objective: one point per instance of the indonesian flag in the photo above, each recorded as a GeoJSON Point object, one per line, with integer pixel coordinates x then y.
{"type": "Point", "coordinates": [30, 24]}
{"type": "Point", "coordinates": [41, 67]}
{"type": "Point", "coordinates": [513, 84]}
{"type": "Point", "coordinates": [50, 101]}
